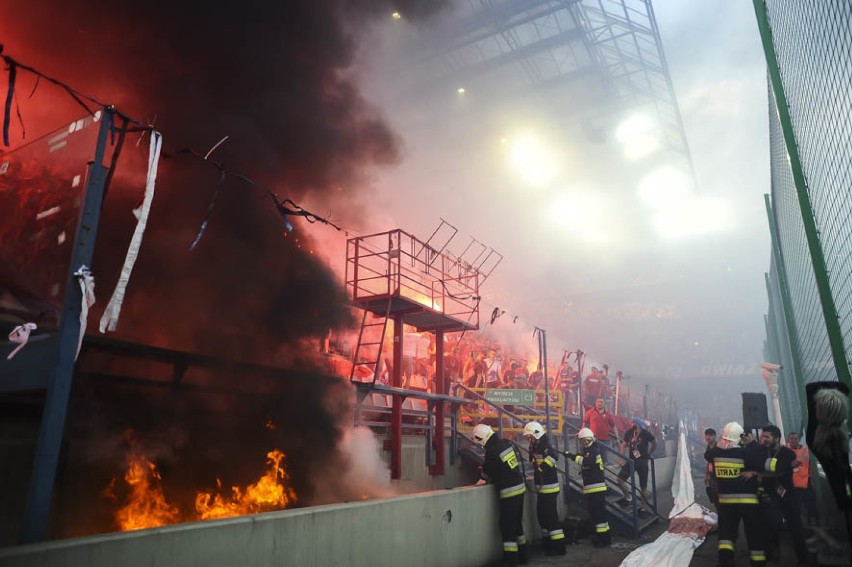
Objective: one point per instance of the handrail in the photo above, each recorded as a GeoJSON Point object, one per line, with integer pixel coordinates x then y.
{"type": "Point", "coordinates": [632, 477]}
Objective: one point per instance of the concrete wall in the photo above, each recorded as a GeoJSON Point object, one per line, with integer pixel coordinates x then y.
{"type": "Point", "coordinates": [455, 527]}
{"type": "Point", "coordinates": [441, 528]}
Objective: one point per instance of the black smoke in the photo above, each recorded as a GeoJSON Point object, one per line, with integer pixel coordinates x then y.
{"type": "Point", "coordinates": [280, 79]}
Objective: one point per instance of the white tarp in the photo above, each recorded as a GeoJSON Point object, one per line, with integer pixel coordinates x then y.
{"type": "Point", "coordinates": [689, 524]}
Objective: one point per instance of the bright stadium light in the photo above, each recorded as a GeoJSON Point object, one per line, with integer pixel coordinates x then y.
{"type": "Point", "coordinates": [639, 136]}
{"type": "Point", "coordinates": [677, 212]}
{"type": "Point", "coordinates": [533, 160]}
{"type": "Point", "coordinates": [664, 186]}
{"type": "Point", "coordinates": [581, 215]}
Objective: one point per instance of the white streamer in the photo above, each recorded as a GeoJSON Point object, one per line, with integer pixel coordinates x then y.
{"type": "Point", "coordinates": [20, 335]}
{"type": "Point", "coordinates": [109, 320]}
{"type": "Point", "coordinates": [87, 288]}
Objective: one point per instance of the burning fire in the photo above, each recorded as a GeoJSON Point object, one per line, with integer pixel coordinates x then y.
{"type": "Point", "coordinates": [271, 492]}
{"type": "Point", "coordinates": [147, 506]}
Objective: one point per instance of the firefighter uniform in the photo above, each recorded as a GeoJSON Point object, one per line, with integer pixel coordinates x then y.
{"type": "Point", "coordinates": [781, 502]}
{"type": "Point", "coordinates": [544, 457]}
{"type": "Point", "coordinates": [738, 500]}
{"type": "Point", "coordinates": [502, 467]}
{"type": "Point", "coordinates": [594, 491]}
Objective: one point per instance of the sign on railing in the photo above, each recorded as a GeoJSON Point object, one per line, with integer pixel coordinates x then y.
{"type": "Point", "coordinates": [525, 397]}
{"type": "Point", "coordinates": [527, 405]}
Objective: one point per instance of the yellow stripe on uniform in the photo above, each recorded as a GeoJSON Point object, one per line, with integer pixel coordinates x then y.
{"type": "Point", "coordinates": [513, 490]}
{"type": "Point", "coordinates": [592, 488]}
{"type": "Point", "coordinates": [738, 499]}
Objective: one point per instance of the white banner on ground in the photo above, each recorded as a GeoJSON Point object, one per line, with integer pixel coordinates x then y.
{"type": "Point", "coordinates": [689, 524]}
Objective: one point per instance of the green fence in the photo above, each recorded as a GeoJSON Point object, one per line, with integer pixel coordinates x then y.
{"type": "Point", "coordinates": [808, 46]}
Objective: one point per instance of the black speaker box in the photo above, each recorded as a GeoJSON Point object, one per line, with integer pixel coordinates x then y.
{"type": "Point", "coordinates": [755, 415]}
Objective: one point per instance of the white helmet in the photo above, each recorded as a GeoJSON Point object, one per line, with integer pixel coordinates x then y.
{"type": "Point", "coordinates": [481, 433]}
{"type": "Point", "coordinates": [534, 429]}
{"type": "Point", "coordinates": [732, 432]}
{"type": "Point", "coordinates": [585, 433]}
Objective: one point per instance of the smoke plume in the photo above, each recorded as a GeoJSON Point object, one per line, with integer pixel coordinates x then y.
{"type": "Point", "coordinates": [279, 80]}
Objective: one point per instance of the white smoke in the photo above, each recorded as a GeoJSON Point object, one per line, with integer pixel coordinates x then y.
{"type": "Point", "coordinates": [360, 474]}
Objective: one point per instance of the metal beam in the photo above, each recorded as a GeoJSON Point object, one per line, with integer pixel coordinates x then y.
{"type": "Point", "coordinates": [59, 387]}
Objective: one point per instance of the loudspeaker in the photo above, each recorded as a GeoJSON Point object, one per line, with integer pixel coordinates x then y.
{"type": "Point", "coordinates": [755, 415]}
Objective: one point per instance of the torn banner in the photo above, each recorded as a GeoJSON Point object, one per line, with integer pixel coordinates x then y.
{"type": "Point", "coordinates": [20, 335]}
{"type": "Point", "coordinates": [109, 320]}
{"type": "Point", "coordinates": [87, 290]}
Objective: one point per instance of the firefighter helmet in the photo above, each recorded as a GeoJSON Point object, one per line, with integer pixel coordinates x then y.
{"type": "Point", "coordinates": [732, 432]}
{"type": "Point", "coordinates": [534, 429]}
{"type": "Point", "coordinates": [586, 436]}
{"type": "Point", "coordinates": [481, 433]}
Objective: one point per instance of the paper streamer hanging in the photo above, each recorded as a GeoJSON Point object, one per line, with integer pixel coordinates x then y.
{"type": "Point", "coordinates": [20, 335]}
{"type": "Point", "coordinates": [109, 320]}
{"type": "Point", "coordinates": [87, 288]}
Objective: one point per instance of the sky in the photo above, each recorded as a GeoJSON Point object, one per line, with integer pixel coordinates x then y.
{"type": "Point", "coordinates": [683, 312]}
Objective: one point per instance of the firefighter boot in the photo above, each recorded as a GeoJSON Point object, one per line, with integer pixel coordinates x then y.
{"type": "Point", "coordinates": [557, 547]}
{"type": "Point", "coordinates": [510, 558]}
{"type": "Point", "coordinates": [523, 554]}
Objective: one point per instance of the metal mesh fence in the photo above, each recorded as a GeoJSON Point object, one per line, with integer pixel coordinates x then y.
{"type": "Point", "coordinates": [813, 43]}
{"type": "Point", "coordinates": [777, 350]}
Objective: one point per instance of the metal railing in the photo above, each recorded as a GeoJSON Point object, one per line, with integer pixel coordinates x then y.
{"type": "Point", "coordinates": [561, 443]}
{"type": "Point", "coordinates": [611, 477]}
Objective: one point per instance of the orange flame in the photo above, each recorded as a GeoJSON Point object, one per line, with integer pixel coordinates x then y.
{"type": "Point", "coordinates": [147, 506]}
{"type": "Point", "coordinates": [271, 492]}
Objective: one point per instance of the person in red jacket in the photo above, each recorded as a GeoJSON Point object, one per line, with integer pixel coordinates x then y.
{"type": "Point", "coordinates": [601, 423]}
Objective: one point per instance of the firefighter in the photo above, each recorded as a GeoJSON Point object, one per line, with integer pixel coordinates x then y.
{"type": "Point", "coordinates": [543, 458]}
{"type": "Point", "coordinates": [781, 500]}
{"type": "Point", "coordinates": [594, 485]}
{"type": "Point", "coordinates": [502, 467]}
{"type": "Point", "coordinates": [736, 469]}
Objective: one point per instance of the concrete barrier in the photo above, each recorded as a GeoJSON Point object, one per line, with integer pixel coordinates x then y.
{"type": "Point", "coordinates": [442, 528]}
{"type": "Point", "coordinates": [455, 527]}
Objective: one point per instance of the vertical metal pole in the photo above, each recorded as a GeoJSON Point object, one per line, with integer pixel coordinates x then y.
{"type": "Point", "coordinates": [59, 388]}
{"type": "Point", "coordinates": [396, 407]}
{"type": "Point", "coordinates": [829, 311]}
{"type": "Point", "coordinates": [617, 389]}
{"type": "Point", "coordinates": [441, 388]}
{"type": "Point", "coordinates": [542, 341]}
{"type": "Point", "coordinates": [580, 411]}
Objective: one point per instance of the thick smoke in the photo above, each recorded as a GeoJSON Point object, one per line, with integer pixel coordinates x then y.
{"type": "Point", "coordinates": [278, 79]}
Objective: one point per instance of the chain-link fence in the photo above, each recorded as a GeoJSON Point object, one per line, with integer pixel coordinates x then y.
{"type": "Point", "coordinates": [812, 41]}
